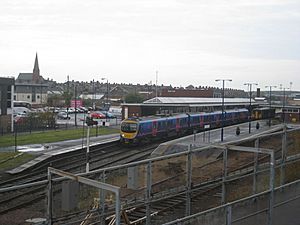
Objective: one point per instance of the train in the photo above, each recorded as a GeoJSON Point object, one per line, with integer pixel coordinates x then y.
{"type": "Point", "coordinates": [263, 113]}
{"type": "Point", "coordinates": [135, 130]}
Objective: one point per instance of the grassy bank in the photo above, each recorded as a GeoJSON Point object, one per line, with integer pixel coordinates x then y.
{"type": "Point", "coordinates": [10, 160]}
{"type": "Point", "coordinates": [52, 136]}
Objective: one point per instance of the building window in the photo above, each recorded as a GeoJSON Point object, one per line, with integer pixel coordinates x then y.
{"type": "Point", "coordinates": [37, 96]}
{"type": "Point", "coordinates": [28, 96]}
{"type": "Point", "coordinates": [15, 97]}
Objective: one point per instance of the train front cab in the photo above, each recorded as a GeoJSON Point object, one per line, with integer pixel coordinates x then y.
{"type": "Point", "coordinates": [129, 130]}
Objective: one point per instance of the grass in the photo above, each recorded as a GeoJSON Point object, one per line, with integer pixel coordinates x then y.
{"type": "Point", "coordinates": [9, 160]}
{"type": "Point", "coordinates": [52, 136]}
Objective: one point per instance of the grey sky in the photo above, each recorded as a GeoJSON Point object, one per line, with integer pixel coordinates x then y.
{"type": "Point", "coordinates": [187, 41]}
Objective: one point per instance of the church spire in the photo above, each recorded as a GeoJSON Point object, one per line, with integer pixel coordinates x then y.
{"type": "Point", "coordinates": [36, 70]}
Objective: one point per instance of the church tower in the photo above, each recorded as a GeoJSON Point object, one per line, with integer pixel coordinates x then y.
{"type": "Point", "coordinates": [36, 70]}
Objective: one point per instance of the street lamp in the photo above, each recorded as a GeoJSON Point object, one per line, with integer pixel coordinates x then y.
{"type": "Point", "coordinates": [250, 107]}
{"type": "Point", "coordinates": [283, 105]}
{"type": "Point", "coordinates": [223, 93]}
{"type": "Point", "coordinates": [94, 96]}
{"type": "Point", "coordinates": [270, 95]}
{"type": "Point", "coordinates": [106, 104]}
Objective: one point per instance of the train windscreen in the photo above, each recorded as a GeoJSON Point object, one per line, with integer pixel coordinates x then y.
{"type": "Point", "coordinates": [129, 127]}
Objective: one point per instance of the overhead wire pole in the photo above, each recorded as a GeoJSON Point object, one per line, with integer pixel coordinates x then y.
{"type": "Point", "coordinates": [250, 107]}
{"type": "Point", "coordinates": [94, 95]}
{"type": "Point", "coordinates": [107, 90]}
{"type": "Point", "coordinates": [284, 104]}
{"type": "Point", "coordinates": [68, 94]}
{"type": "Point", "coordinates": [291, 83]}
{"type": "Point", "coordinates": [75, 104]}
{"type": "Point", "coordinates": [223, 94]}
{"type": "Point", "coordinates": [270, 104]}
{"type": "Point", "coordinates": [156, 85]}
{"type": "Point", "coordinates": [88, 149]}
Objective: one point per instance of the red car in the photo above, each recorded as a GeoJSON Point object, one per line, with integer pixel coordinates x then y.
{"type": "Point", "coordinates": [97, 115]}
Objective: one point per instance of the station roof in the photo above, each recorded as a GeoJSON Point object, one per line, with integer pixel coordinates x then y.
{"type": "Point", "coordinates": [197, 101]}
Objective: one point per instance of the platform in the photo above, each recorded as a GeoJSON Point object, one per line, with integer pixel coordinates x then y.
{"type": "Point", "coordinates": [214, 136]}
{"type": "Point", "coordinates": [48, 150]}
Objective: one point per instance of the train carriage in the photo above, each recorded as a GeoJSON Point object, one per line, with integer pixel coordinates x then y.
{"type": "Point", "coordinates": [135, 130]}
{"type": "Point", "coordinates": [263, 113]}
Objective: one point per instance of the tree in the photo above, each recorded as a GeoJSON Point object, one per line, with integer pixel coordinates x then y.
{"type": "Point", "coordinates": [67, 97]}
{"type": "Point", "coordinates": [134, 98]}
{"type": "Point", "coordinates": [54, 100]}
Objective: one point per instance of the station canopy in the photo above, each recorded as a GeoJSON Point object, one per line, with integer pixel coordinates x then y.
{"type": "Point", "coordinates": [199, 101]}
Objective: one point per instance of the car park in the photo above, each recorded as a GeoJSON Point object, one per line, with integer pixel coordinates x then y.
{"type": "Point", "coordinates": [83, 109]}
{"type": "Point", "coordinates": [108, 115]}
{"type": "Point", "coordinates": [63, 115]}
{"type": "Point", "coordinates": [20, 118]}
{"type": "Point", "coordinates": [97, 115]}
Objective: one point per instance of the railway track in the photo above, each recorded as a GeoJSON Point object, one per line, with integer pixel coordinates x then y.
{"type": "Point", "coordinates": [61, 161]}
{"type": "Point", "coordinates": [135, 213]}
{"type": "Point", "coordinates": [101, 159]}
{"type": "Point", "coordinates": [17, 200]}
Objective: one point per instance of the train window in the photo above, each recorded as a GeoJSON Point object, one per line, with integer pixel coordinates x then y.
{"type": "Point", "coordinates": [154, 125]}
{"type": "Point", "coordinates": [171, 123]}
{"type": "Point", "coordinates": [160, 125]}
{"type": "Point", "coordinates": [129, 127]}
{"type": "Point", "coordinates": [183, 122]}
{"type": "Point", "coordinates": [196, 119]}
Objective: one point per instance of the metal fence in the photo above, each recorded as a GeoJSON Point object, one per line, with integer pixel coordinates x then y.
{"type": "Point", "coordinates": [146, 184]}
{"type": "Point", "coordinates": [251, 210]}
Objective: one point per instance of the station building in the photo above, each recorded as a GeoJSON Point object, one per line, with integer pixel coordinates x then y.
{"type": "Point", "coordinates": [164, 106]}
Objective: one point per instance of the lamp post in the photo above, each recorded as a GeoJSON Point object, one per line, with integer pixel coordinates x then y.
{"type": "Point", "coordinates": [250, 107]}
{"type": "Point", "coordinates": [156, 87]}
{"type": "Point", "coordinates": [283, 105]}
{"type": "Point", "coordinates": [223, 93]}
{"type": "Point", "coordinates": [94, 96]}
{"type": "Point", "coordinates": [75, 104]}
{"type": "Point", "coordinates": [270, 104]}
{"type": "Point", "coordinates": [106, 104]}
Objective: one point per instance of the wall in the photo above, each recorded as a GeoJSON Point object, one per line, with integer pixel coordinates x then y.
{"type": "Point", "coordinates": [5, 124]}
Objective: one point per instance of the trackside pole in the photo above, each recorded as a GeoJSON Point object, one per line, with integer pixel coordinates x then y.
{"type": "Point", "coordinates": [272, 180]}
{"type": "Point", "coordinates": [283, 156]}
{"type": "Point", "coordinates": [88, 150]}
{"type": "Point", "coordinates": [49, 210]}
{"type": "Point", "coordinates": [188, 182]}
{"type": "Point", "coordinates": [255, 167]}
{"type": "Point", "coordinates": [228, 215]}
{"type": "Point", "coordinates": [102, 199]}
{"type": "Point", "coordinates": [223, 201]}
{"type": "Point", "coordinates": [148, 194]}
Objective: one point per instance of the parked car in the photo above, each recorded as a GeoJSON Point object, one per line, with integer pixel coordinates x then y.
{"type": "Point", "coordinates": [97, 115]}
{"type": "Point", "coordinates": [20, 118]}
{"type": "Point", "coordinates": [108, 114]}
{"type": "Point", "coordinates": [63, 115]}
{"type": "Point", "coordinates": [71, 110]}
{"type": "Point", "coordinates": [85, 110]}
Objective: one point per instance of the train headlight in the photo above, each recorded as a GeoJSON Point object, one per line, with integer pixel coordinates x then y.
{"type": "Point", "coordinates": [123, 135]}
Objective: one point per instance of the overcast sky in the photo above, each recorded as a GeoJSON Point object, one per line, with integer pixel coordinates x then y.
{"type": "Point", "coordinates": [186, 41]}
